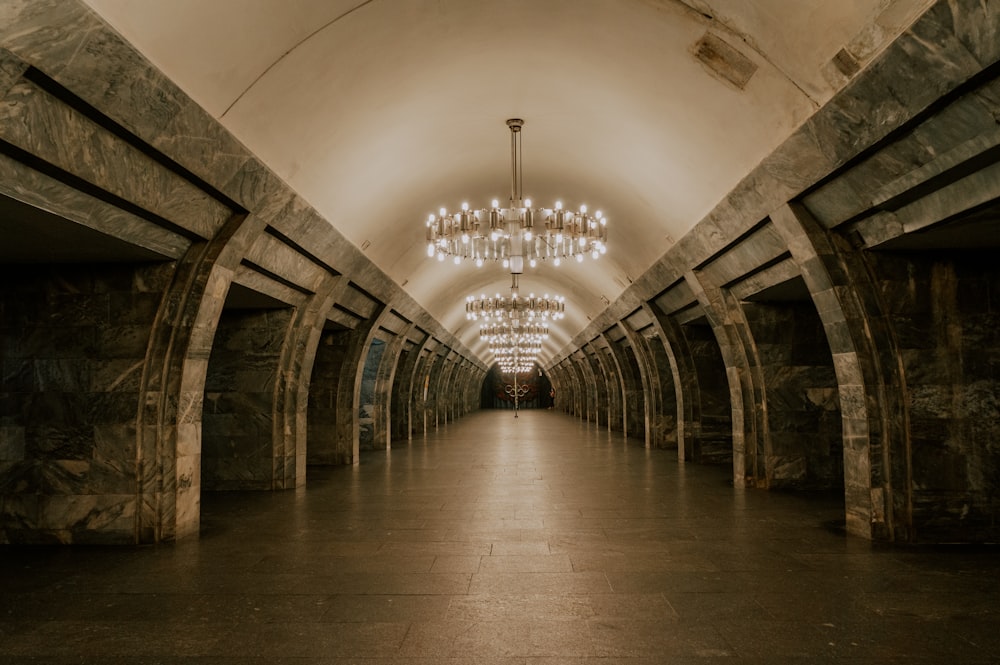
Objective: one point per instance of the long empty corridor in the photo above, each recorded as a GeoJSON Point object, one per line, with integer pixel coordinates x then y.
{"type": "Point", "coordinates": [539, 540]}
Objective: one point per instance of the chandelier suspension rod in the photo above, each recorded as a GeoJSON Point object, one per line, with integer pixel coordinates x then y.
{"type": "Point", "coordinates": [515, 125]}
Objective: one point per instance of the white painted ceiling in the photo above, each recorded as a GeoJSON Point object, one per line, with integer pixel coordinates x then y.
{"type": "Point", "coordinates": [379, 112]}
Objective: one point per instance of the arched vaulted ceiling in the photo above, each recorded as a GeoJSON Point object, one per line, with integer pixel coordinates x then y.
{"type": "Point", "coordinates": [378, 112]}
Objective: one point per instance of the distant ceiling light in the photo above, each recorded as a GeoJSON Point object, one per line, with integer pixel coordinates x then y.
{"type": "Point", "coordinates": [515, 309]}
{"type": "Point", "coordinates": [519, 232]}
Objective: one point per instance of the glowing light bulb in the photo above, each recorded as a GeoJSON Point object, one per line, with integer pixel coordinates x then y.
{"type": "Point", "coordinates": [532, 263]}
{"type": "Point", "coordinates": [598, 214]}
{"type": "Point", "coordinates": [506, 263]}
{"type": "Point", "coordinates": [579, 258]}
{"type": "Point", "coordinates": [479, 262]}
{"type": "Point", "coordinates": [558, 205]}
{"type": "Point", "coordinates": [559, 238]}
{"type": "Point", "coordinates": [583, 242]}
{"type": "Point", "coordinates": [440, 256]}
{"type": "Point", "coordinates": [495, 203]}
{"type": "Point", "coordinates": [556, 262]}
{"type": "Point", "coordinates": [430, 249]}
{"type": "Point", "coordinates": [465, 238]}
{"type": "Point", "coordinates": [458, 259]}
{"type": "Point", "coordinates": [442, 212]}
{"type": "Point", "coordinates": [527, 203]}
{"type": "Point", "coordinates": [594, 254]}
{"type": "Point", "coordinates": [527, 236]}
{"type": "Point", "coordinates": [465, 207]}
{"type": "Point", "coordinates": [583, 210]}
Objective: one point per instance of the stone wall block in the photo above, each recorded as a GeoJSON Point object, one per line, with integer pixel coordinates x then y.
{"type": "Point", "coordinates": [188, 472]}
{"type": "Point", "coordinates": [797, 163]}
{"type": "Point", "coordinates": [11, 443]}
{"type": "Point", "coordinates": [117, 374]}
{"type": "Point", "coordinates": [257, 188]}
{"type": "Point", "coordinates": [193, 138]}
{"type": "Point", "coordinates": [18, 379]}
{"type": "Point", "coordinates": [192, 383]}
{"type": "Point", "coordinates": [11, 70]}
{"type": "Point", "coordinates": [72, 375]}
{"type": "Point", "coordinates": [90, 517]}
{"type": "Point", "coordinates": [115, 444]}
{"type": "Point", "coordinates": [123, 341]}
{"type": "Point", "coordinates": [989, 94]}
{"type": "Point", "coordinates": [135, 308]}
{"type": "Point", "coordinates": [974, 25]}
{"type": "Point", "coordinates": [871, 178]}
{"type": "Point", "coordinates": [834, 201]}
{"type": "Point", "coordinates": [20, 511]}
{"type": "Point", "coordinates": [853, 400]}
{"type": "Point", "coordinates": [187, 511]}
{"type": "Point", "coordinates": [48, 31]}
{"type": "Point", "coordinates": [786, 471]}
{"type": "Point", "coordinates": [189, 438]}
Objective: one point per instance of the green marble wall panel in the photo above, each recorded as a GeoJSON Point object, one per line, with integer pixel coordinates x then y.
{"type": "Point", "coordinates": [74, 339]}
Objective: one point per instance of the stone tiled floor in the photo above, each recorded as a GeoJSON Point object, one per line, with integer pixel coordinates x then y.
{"type": "Point", "coordinates": [539, 541]}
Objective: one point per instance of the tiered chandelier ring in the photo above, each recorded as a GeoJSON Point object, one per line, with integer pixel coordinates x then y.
{"type": "Point", "coordinates": [498, 333]}
{"type": "Point", "coordinates": [517, 233]}
{"type": "Point", "coordinates": [501, 308]}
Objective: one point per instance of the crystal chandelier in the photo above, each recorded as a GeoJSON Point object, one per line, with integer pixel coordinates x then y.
{"type": "Point", "coordinates": [499, 333]}
{"type": "Point", "coordinates": [519, 232]}
{"type": "Point", "coordinates": [515, 309]}
{"type": "Point", "coordinates": [516, 358]}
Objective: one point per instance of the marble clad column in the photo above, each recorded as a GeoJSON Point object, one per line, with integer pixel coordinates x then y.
{"type": "Point", "coordinates": [470, 388]}
{"type": "Point", "coordinates": [404, 391]}
{"type": "Point", "coordinates": [433, 395]}
{"type": "Point", "coordinates": [633, 411]}
{"type": "Point", "coordinates": [666, 431]}
{"type": "Point", "coordinates": [562, 385]}
{"type": "Point", "coordinates": [871, 391]}
{"type": "Point", "coordinates": [366, 392]}
{"type": "Point", "coordinates": [173, 382]}
{"type": "Point", "coordinates": [600, 386]}
{"type": "Point", "coordinates": [466, 388]}
{"type": "Point", "coordinates": [445, 390]}
{"type": "Point", "coordinates": [587, 387]}
{"type": "Point", "coordinates": [334, 393]}
{"type": "Point", "coordinates": [594, 380]}
{"type": "Point", "coordinates": [613, 385]}
{"type": "Point", "coordinates": [385, 379]}
{"type": "Point", "coordinates": [576, 391]}
{"type": "Point", "coordinates": [652, 402]}
{"type": "Point", "coordinates": [746, 391]}
{"type": "Point", "coordinates": [423, 399]}
{"type": "Point", "coordinates": [295, 369]}
{"type": "Point", "coordinates": [348, 400]}
{"type": "Point", "coordinates": [684, 378]}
